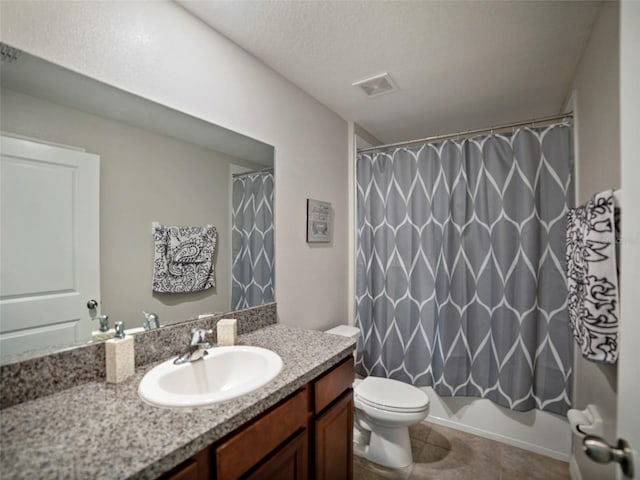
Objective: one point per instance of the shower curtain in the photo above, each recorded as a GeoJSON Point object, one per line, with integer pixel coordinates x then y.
{"type": "Point", "coordinates": [460, 267]}
{"type": "Point", "coordinates": [252, 255]}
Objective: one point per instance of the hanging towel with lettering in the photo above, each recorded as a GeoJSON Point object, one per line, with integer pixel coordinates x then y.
{"type": "Point", "coordinates": [592, 278]}
{"type": "Point", "coordinates": [183, 259]}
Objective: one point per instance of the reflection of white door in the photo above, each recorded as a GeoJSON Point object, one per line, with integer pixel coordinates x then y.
{"type": "Point", "coordinates": [49, 244]}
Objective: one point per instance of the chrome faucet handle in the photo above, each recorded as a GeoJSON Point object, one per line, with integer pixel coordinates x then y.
{"type": "Point", "coordinates": [198, 336]}
{"type": "Point", "coordinates": [104, 322]}
{"type": "Point", "coordinates": [197, 346]}
{"type": "Point", "coordinates": [150, 321]}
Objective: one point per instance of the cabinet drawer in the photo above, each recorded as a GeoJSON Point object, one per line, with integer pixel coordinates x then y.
{"type": "Point", "coordinates": [331, 385]}
{"type": "Point", "coordinates": [248, 447]}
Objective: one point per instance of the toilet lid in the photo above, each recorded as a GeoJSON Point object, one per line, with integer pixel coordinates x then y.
{"type": "Point", "coordinates": [389, 394]}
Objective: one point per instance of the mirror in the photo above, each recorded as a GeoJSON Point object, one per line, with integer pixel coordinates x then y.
{"type": "Point", "coordinates": [155, 165]}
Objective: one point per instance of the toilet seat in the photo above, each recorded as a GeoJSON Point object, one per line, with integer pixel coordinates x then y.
{"type": "Point", "coordinates": [391, 395]}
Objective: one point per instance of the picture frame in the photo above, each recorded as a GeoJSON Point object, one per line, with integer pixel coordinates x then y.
{"type": "Point", "coordinates": [319, 221]}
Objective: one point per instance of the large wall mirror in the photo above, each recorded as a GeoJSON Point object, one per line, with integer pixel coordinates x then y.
{"type": "Point", "coordinates": [90, 177]}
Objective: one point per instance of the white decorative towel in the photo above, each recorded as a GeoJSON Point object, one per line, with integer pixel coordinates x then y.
{"type": "Point", "coordinates": [592, 278]}
{"type": "Point", "coordinates": [183, 259]}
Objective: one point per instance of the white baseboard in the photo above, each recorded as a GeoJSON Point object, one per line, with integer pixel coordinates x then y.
{"type": "Point", "coordinates": [574, 470]}
{"type": "Point", "coordinates": [501, 438]}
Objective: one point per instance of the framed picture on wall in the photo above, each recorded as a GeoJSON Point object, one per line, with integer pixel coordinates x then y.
{"type": "Point", "coordinates": [318, 221]}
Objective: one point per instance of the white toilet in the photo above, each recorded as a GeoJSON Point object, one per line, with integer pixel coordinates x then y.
{"type": "Point", "coordinates": [385, 409]}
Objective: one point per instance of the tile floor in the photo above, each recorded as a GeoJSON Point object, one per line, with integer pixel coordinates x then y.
{"type": "Point", "coordinates": [441, 453]}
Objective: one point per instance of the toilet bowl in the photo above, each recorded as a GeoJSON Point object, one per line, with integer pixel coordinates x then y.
{"type": "Point", "coordinates": [384, 411]}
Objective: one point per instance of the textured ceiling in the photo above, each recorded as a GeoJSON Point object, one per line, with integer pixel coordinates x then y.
{"type": "Point", "coordinates": [457, 65]}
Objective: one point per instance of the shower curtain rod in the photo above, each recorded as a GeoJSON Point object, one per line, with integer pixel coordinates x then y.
{"type": "Point", "coordinates": [264, 170]}
{"type": "Point", "coordinates": [468, 133]}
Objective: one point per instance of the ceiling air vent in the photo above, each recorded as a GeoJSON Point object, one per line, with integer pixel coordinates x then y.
{"type": "Point", "coordinates": [377, 85]}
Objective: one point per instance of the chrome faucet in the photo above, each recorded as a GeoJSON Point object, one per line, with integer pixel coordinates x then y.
{"type": "Point", "coordinates": [104, 323]}
{"type": "Point", "coordinates": [151, 321]}
{"type": "Point", "coordinates": [197, 346]}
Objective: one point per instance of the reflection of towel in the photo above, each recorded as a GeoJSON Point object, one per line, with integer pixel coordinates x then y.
{"type": "Point", "coordinates": [183, 259]}
{"type": "Point", "coordinates": [592, 278]}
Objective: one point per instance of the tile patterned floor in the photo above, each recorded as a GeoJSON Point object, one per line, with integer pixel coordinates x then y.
{"type": "Point", "coordinates": [441, 453]}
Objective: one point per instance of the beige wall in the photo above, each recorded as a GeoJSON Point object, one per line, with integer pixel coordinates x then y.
{"type": "Point", "coordinates": [159, 51]}
{"type": "Point", "coordinates": [144, 177]}
{"type": "Point", "coordinates": [597, 107]}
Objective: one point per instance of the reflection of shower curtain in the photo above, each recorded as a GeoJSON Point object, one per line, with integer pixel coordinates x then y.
{"type": "Point", "coordinates": [252, 264]}
{"type": "Point", "coordinates": [460, 267]}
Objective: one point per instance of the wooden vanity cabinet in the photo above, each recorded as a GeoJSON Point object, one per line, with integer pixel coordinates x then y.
{"type": "Point", "coordinates": [309, 435]}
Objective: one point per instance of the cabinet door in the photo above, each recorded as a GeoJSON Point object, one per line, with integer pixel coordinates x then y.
{"type": "Point", "coordinates": [334, 441]}
{"type": "Point", "coordinates": [288, 463]}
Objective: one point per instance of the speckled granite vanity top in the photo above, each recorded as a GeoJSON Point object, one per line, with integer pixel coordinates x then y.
{"type": "Point", "coordinates": [104, 431]}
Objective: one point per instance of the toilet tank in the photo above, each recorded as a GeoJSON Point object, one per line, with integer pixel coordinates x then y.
{"type": "Point", "coordinates": [351, 332]}
{"type": "Point", "coordinates": [345, 331]}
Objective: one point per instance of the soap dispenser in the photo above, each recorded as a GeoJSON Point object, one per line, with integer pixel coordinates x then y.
{"type": "Point", "coordinates": [120, 356]}
{"type": "Point", "coordinates": [227, 332]}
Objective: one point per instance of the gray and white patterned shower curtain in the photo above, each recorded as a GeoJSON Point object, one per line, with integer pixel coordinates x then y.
{"type": "Point", "coordinates": [252, 264]}
{"type": "Point", "coordinates": [460, 267]}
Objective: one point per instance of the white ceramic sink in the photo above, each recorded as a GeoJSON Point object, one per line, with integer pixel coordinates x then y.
{"type": "Point", "coordinates": [225, 373]}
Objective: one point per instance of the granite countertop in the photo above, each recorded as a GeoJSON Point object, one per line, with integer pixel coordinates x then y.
{"type": "Point", "coordinates": [101, 430]}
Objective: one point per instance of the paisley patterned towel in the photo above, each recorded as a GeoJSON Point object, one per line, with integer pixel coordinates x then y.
{"type": "Point", "coordinates": [592, 278]}
{"type": "Point", "coordinates": [183, 259]}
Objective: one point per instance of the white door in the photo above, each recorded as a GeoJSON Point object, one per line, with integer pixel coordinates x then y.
{"type": "Point", "coordinates": [629, 359]}
{"type": "Point", "coordinates": [628, 412]}
{"type": "Point", "coordinates": [49, 245]}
